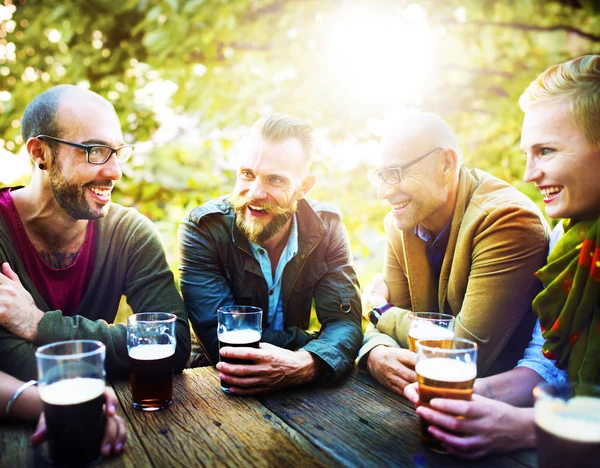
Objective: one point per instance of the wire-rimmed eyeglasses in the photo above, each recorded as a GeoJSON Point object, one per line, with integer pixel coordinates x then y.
{"type": "Point", "coordinates": [393, 175]}
{"type": "Point", "coordinates": [96, 154]}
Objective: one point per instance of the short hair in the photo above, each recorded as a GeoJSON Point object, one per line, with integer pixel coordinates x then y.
{"type": "Point", "coordinates": [278, 127]}
{"type": "Point", "coordinates": [39, 117]}
{"type": "Point", "coordinates": [576, 83]}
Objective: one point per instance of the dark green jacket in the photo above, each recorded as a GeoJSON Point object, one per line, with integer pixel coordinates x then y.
{"type": "Point", "coordinates": [129, 261]}
{"type": "Point", "coordinates": [217, 268]}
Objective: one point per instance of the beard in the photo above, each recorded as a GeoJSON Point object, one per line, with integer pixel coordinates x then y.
{"type": "Point", "coordinates": [257, 230]}
{"type": "Point", "coordinates": [72, 197]}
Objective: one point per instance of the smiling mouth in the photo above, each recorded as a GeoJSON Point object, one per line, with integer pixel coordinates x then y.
{"type": "Point", "coordinates": [550, 192]}
{"type": "Point", "coordinates": [399, 206]}
{"type": "Point", "coordinates": [104, 193]}
{"type": "Point", "coordinates": [257, 210]}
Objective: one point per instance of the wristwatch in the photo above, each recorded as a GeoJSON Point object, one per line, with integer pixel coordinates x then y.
{"type": "Point", "coordinates": [376, 312]}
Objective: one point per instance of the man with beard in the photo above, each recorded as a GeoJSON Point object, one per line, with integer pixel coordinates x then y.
{"type": "Point", "coordinates": [266, 245]}
{"type": "Point", "coordinates": [67, 254]}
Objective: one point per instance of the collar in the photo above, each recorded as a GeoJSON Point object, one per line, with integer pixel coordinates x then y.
{"type": "Point", "coordinates": [426, 235]}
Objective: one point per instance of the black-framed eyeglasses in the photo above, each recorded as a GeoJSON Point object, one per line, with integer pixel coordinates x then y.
{"type": "Point", "coordinates": [96, 154]}
{"type": "Point", "coordinates": [393, 175]}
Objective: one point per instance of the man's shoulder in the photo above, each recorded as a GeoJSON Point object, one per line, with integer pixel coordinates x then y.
{"type": "Point", "coordinates": [125, 220]}
{"type": "Point", "coordinates": [323, 208]}
{"type": "Point", "coordinates": [492, 193]}
{"type": "Point", "coordinates": [215, 207]}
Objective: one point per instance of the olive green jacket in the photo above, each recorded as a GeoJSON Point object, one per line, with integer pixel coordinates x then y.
{"type": "Point", "coordinates": [498, 239]}
{"type": "Point", "coordinates": [130, 261]}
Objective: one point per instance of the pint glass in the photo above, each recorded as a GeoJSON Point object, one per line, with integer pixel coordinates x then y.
{"type": "Point", "coordinates": [567, 420]}
{"type": "Point", "coordinates": [429, 326]}
{"type": "Point", "coordinates": [71, 383]}
{"type": "Point", "coordinates": [445, 369]}
{"type": "Point", "coordinates": [239, 326]}
{"type": "Point", "coordinates": [151, 347]}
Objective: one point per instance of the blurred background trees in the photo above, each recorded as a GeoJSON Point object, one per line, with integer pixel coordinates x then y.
{"type": "Point", "coordinates": [187, 78]}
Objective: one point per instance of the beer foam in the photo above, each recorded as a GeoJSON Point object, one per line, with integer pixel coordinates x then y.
{"type": "Point", "coordinates": [151, 352]}
{"type": "Point", "coordinates": [576, 419]}
{"type": "Point", "coordinates": [238, 337]}
{"type": "Point", "coordinates": [430, 331]}
{"type": "Point", "coordinates": [72, 391]}
{"type": "Point", "coordinates": [446, 370]}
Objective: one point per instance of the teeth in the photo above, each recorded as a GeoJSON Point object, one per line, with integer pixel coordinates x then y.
{"type": "Point", "coordinates": [398, 206]}
{"type": "Point", "coordinates": [102, 193]}
{"type": "Point", "coordinates": [550, 191]}
{"type": "Point", "coordinates": [256, 208]}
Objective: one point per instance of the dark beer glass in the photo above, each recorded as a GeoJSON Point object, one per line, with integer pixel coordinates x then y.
{"type": "Point", "coordinates": [238, 326]}
{"type": "Point", "coordinates": [151, 346]}
{"type": "Point", "coordinates": [445, 369]}
{"type": "Point", "coordinates": [71, 382]}
{"type": "Point", "coordinates": [567, 420]}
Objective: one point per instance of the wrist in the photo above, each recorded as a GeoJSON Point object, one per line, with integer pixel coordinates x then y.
{"type": "Point", "coordinates": [375, 355]}
{"type": "Point", "coordinates": [308, 366]}
{"type": "Point", "coordinates": [527, 424]}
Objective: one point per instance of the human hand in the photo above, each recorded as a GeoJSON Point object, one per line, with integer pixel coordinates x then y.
{"type": "Point", "coordinates": [392, 367]}
{"type": "Point", "coordinates": [484, 426]}
{"type": "Point", "coordinates": [411, 392]}
{"type": "Point", "coordinates": [18, 312]}
{"type": "Point", "coordinates": [115, 432]}
{"type": "Point", "coordinates": [273, 368]}
{"type": "Point", "coordinates": [375, 294]}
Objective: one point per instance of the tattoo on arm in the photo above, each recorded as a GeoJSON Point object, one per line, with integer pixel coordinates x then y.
{"type": "Point", "coordinates": [58, 260]}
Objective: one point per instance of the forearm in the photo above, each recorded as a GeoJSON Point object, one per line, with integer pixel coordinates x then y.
{"type": "Point", "coordinates": [27, 406]}
{"type": "Point", "coordinates": [514, 387]}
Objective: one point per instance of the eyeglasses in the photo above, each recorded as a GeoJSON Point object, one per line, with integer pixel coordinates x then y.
{"type": "Point", "coordinates": [96, 154]}
{"type": "Point", "coordinates": [393, 175]}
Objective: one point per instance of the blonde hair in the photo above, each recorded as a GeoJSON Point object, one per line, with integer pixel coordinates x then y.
{"type": "Point", "coordinates": [278, 127]}
{"type": "Point", "coordinates": [577, 83]}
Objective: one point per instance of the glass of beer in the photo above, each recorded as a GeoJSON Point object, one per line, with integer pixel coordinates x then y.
{"type": "Point", "coordinates": [239, 326]}
{"type": "Point", "coordinates": [429, 326]}
{"type": "Point", "coordinates": [567, 420]}
{"type": "Point", "coordinates": [71, 383]}
{"type": "Point", "coordinates": [445, 369]}
{"type": "Point", "coordinates": [151, 346]}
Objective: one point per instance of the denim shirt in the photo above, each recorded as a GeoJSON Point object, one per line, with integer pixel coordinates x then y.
{"type": "Point", "coordinates": [275, 312]}
{"type": "Point", "coordinates": [533, 358]}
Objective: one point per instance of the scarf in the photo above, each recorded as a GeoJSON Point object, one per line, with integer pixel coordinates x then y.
{"type": "Point", "coordinates": [568, 306]}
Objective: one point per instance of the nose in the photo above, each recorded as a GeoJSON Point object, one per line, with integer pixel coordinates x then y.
{"type": "Point", "coordinates": [111, 168]}
{"type": "Point", "coordinates": [532, 171]}
{"type": "Point", "coordinates": [257, 190]}
{"type": "Point", "coordinates": [384, 190]}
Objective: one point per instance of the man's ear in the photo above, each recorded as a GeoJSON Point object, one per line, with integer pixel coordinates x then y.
{"type": "Point", "coordinates": [450, 164]}
{"type": "Point", "coordinates": [307, 184]}
{"type": "Point", "coordinates": [38, 152]}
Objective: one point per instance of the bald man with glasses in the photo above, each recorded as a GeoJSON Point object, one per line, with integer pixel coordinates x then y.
{"type": "Point", "coordinates": [459, 242]}
{"type": "Point", "coordinates": [67, 254]}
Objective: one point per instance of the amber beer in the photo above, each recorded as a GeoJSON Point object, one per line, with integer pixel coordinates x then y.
{"type": "Point", "coordinates": [568, 431]}
{"type": "Point", "coordinates": [75, 420]}
{"type": "Point", "coordinates": [151, 376]}
{"type": "Point", "coordinates": [429, 331]}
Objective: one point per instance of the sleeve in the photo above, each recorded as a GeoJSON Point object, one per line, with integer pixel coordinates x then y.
{"type": "Point", "coordinates": [535, 360]}
{"type": "Point", "coordinates": [508, 247]}
{"type": "Point", "coordinates": [394, 322]}
{"type": "Point", "coordinates": [338, 307]}
{"type": "Point", "coordinates": [148, 286]}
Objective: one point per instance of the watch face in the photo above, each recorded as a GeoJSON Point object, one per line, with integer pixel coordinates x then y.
{"type": "Point", "coordinates": [374, 316]}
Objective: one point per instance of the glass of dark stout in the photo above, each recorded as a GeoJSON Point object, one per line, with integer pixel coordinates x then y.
{"type": "Point", "coordinates": [567, 420]}
{"type": "Point", "coordinates": [151, 346]}
{"type": "Point", "coordinates": [71, 383]}
{"type": "Point", "coordinates": [238, 326]}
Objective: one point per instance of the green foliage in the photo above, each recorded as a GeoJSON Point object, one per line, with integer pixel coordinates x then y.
{"type": "Point", "coordinates": [207, 67]}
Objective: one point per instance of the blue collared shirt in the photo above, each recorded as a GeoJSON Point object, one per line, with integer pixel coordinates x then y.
{"type": "Point", "coordinates": [533, 358]}
{"type": "Point", "coordinates": [275, 317]}
{"type": "Point", "coordinates": [435, 249]}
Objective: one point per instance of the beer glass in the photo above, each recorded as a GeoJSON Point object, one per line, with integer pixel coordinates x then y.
{"type": "Point", "coordinates": [429, 326]}
{"type": "Point", "coordinates": [151, 346]}
{"type": "Point", "coordinates": [445, 369]}
{"type": "Point", "coordinates": [71, 383]}
{"type": "Point", "coordinates": [238, 326]}
{"type": "Point", "coordinates": [567, 420]}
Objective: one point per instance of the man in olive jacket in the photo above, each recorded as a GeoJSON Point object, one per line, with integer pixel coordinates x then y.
{"type": "Point", "coordinates": [265, 245]}
{"type": "Point", "coordinates": [460, 242]}
{"type": "Point", "coordinates": [68, 254]}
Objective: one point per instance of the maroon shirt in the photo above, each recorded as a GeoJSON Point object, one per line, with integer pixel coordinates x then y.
{"type": "Point", "coordinates": [62, 289]}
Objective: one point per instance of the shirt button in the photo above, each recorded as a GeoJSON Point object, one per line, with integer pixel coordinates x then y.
{"type": "Point", "coordinates": [302, 256]}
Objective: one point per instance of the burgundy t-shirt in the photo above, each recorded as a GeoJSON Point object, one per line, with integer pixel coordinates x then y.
{"type": "Point", "coordinates": [62, 289]}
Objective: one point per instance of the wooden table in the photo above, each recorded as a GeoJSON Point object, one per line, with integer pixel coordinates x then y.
{"type": "Point", "coordinates": [355, 423]}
